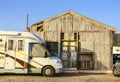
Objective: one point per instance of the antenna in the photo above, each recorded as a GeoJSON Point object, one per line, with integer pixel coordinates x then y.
{"type": "Point", "coordinates": [27, 21]}
{"type": "Point", "coordinates": [28, 29]}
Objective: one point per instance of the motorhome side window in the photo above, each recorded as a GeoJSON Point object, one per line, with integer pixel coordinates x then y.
{"type": "Point", "coordinates": [10, 44]}
{"type": "Point", "coordinates": [20, 45]}
{"type": "Point", "coordinates": [36, 50]}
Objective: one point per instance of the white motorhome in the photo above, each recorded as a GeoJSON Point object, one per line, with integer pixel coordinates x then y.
{"type": "Point", "coordinates": [24, 52]}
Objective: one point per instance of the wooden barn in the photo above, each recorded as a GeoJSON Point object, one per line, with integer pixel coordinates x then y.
{"type": "Point", "coordinates": [81, 42]}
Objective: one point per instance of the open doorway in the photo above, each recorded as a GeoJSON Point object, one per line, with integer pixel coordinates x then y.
{"type": "Point", "coordinates": [85, 61]}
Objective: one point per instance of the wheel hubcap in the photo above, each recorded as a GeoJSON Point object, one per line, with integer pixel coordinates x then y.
{"type": "Point", "coordinates": [47, 71]}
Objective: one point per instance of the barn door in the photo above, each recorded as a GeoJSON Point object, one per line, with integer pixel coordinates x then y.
{"type": "Point", "coordinates": [10, 54]}
{"type": "Point", "coordinates": [69, 54]}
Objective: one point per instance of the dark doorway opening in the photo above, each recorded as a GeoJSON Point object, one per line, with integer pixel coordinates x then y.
{"type": "Point", "coordinates": [85, 61]}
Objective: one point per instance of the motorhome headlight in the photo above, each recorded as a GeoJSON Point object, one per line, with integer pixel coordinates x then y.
{"type": "Point", "coordinates": [58, 62]}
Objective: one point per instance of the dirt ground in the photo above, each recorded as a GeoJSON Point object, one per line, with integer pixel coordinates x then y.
{"type": "Point", "coordinates": [64, 77]}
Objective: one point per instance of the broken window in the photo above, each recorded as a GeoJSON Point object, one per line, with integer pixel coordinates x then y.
{"type": "Point", "coordinates": [39, 28]}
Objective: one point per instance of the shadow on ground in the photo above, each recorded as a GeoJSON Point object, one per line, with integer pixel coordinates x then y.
{"type": "Point", "coordinates": [64, 74]}
{"type": "Point", "coordinates": [71, 74]}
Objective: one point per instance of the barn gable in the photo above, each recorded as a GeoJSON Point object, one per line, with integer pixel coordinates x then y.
{"type": "Point", "coordinates": [71, 21]}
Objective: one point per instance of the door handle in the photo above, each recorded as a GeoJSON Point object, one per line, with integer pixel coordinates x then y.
{"type": "Point", "coordinates": [6, 55]}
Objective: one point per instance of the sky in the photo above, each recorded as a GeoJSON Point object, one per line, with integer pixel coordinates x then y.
{"type": "Point", "coordinates": [13, 13]}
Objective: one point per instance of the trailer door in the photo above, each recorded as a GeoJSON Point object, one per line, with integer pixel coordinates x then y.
{"type": "Point", "coordinates": [10, 54]}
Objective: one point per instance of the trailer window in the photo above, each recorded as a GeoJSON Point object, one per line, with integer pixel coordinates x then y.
{"type": "Point", "coordinates": [10, 44]}
{"type": "Point", "coordinates": [20, 45]}
{"type": "Point", "coordinates": [37, 50]}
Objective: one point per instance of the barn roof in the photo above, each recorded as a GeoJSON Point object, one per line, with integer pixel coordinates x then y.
{"type": "Point", "coordinates": [79, 16]}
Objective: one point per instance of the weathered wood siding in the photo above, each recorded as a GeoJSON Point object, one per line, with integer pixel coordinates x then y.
{"type": "Point", "coordinates": [100, 44]}
{"type": "Point", "coordinates": [94, 37]}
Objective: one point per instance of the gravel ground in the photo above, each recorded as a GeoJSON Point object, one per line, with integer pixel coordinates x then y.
{"type": "Point", "coordinates": [64, 77]}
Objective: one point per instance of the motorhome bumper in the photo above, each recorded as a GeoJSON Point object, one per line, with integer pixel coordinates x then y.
{"type": "Point", "coordinates": [59, 70]}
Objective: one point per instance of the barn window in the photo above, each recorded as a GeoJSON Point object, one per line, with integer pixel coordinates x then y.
{"type": "Point", "coordinates": [75, 36]}
{"type": "Point", "coordinates": [62, 35]}
{"type": "Point", "coordinates": [78, 36]}
{"type": "Point", "coordinates": [40, 29]}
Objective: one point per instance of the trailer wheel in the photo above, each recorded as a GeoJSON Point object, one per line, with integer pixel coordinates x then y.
{"type": "Point", "coordinates": [48, 71]}
{"type": "Point", "coordinates": [115, 71]}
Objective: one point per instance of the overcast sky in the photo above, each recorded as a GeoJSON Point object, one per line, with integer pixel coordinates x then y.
{"type": "Point", "coordinates": [13, 12]}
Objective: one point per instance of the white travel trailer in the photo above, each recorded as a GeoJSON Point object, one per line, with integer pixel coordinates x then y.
{"type": "Point", "coordinates": [24, 53]}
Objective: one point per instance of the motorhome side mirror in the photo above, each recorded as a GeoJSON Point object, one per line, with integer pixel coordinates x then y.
{"type": "Point", "coordinates": [30, 57]}
{"type": "Point", "coordinates": [46, 54]}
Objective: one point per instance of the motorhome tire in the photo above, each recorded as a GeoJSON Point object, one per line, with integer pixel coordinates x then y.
{"type": "Point", "coordinates": [48, 71]}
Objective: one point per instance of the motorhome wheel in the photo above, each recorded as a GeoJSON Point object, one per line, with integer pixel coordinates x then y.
{"type": "Point", "coordinates": [48, 71]}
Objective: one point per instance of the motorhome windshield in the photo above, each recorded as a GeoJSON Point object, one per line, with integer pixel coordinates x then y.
{"type": "Point", "coordinates": [38, 38]}
{"type": "Point", "coordinates": [38, 50]}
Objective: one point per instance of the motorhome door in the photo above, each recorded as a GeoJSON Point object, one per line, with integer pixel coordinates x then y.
{"type": "Point", "coordinates": [10, 53]}
{"type": "Point", "coordinates": [36, 52]}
